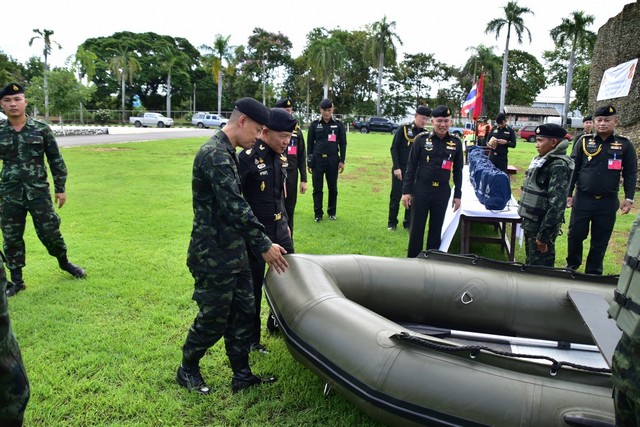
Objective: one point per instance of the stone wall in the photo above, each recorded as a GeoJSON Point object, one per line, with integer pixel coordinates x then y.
{"type": "Point", "coordinates": [617, 43]}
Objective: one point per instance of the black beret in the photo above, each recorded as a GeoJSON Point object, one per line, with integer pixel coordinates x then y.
{"type": "Point", "coordinates": [281, 121]}
{"type": "Point", "coordinates": [551, 130]}
{"type": "Point", "coordinates": [11, 89]}
{"type": "Point", "coordinates": [284, 103]}
{"type": "Point", "coordinates": [441, 111]}
{"type": "Point", "coordinates": [254, 110]}
{"type": "Point", "coordinates": [326, 103]}
{"type": "Point", "coordinates": [501, 117]}
{"type": "Point", "coordinates": [608, 110]}
{"type": "Point", "coordinates": [587, 118]}
{"type": "Point", "coordinates": [423, 110]}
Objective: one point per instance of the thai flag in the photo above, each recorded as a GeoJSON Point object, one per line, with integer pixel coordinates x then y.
{"type": "Point", "coordinates": [470, 102]}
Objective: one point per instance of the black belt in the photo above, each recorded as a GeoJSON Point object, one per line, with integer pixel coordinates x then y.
{"type": "Point", "coordinates": [626, 302]}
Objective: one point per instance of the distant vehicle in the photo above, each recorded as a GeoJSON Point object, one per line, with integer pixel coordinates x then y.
{"type": "Point", "coordinates": [151, 119]}
{"type": "Point", "coordinates": [207, 120]}
{"type": "Point", "coordinates": [379, 124]}
{"type": "Point", "coordinates": [529, 133]}
{"type": "Point", "coordinates": [459, 131]}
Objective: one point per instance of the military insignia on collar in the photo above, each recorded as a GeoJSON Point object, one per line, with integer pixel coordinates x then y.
{"type": "Point", "coordinates": [283, 157]}
{"type": "Point", "coordinates": [249, 151]}
{"type": "Point", "coordinates": [261, 147]}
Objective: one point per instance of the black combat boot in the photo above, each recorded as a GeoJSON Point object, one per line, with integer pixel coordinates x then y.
{"type": "Point", "coordinates": [71, 268]}
{"type": "Point", "coordinates": [16, 284]}
{"type": "Point", "coordinates": [190, 378]}
{"type": "Point", "coordinates": [243, 378]}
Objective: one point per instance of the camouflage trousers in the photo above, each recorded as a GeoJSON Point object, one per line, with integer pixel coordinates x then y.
{"type": "Point", "coordinates": [13, 216]}
{"type": "Point", "coordinates": [534, 256]}
{"type": "Point", "coordinates": [14, 385]}
{"type": "Point", "coordinates": [627, 410]}
{"type": "Point", "coordinates": [227, 307]}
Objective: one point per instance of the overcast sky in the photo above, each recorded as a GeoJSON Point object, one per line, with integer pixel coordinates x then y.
{"type": "Point", "coordinates": [444, 28]}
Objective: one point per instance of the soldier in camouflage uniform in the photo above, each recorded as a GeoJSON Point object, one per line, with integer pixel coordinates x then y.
{"type": "Point", "coordinates": [24, 144]}
{"type": "Point", "coordinates": [14, 385]}
{"type": "Point", "coordinates": [544, 195]}
{"type": "Point", "coordinates": [625, 369]}
{"type": "Point", "coordinates": [223, 227]}
{"type": "Point", "coordinates": [263, 172]}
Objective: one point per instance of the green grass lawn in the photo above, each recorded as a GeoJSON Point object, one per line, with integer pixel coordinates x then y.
{"type": "Point", "coordinates": [104, 350]}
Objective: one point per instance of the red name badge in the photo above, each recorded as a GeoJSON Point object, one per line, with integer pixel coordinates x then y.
{"type": "Point", "coordinates": [615, 164]}
{"type": "Point", "coordinates": [332, 137]}
{"type": "Point", "coordinates": [292, 149]}
{"type": "Point", "coordinates": [447, 164]}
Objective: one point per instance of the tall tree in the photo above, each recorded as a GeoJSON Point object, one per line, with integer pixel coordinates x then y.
{"type": "Point", "coordinates": [169, 60]}
{"type": "Point", "coordinates": [418, 71]}
{"type": "Point", "coordinates": [527, 78]}
{"type": "Point", "coordinates": [268, 51]}
{"type": "Point", "coordinates": [221, 52]}
{"type": "Point", "coordinates": [379, 46]}
{"type": "Point", "coordinates": [574, 33]}
{"type": "Point", "coordinates": [66, 92]}
{"type": "Point", "coordinates": [45, 35]}
{"type": "Point", "coordinates": [85, 64]}
{"type": "Point", "coordinates": [326, 55]}
{"type": "Point", "coordinates": [124, 65]}
{"type": "Point", "coordinates": [513, 18]}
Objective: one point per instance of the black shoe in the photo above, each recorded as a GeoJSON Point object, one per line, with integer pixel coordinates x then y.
{"type": "Point", "coordinates": [14, 288]}
{"type": "Point", "coordinates": [74, 270]}
{"type": "Point", "coordinates": [318, 219]}
{"type": "Point", "coordinates": [332, 217]}
{"type": "Point", "coordinates": [392, 228]}
{"type": "Point", "coordinates": [272, 324]}
{"type": "Point", "coordinates": [256, 346]}
{"type": "Point", "coordinates": [192, 380]}
{"type": "Point", "coordinates": [250, 381]}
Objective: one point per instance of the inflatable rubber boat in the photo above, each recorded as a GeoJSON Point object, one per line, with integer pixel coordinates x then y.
{"type": "Point", "coordinates": [448, 339]}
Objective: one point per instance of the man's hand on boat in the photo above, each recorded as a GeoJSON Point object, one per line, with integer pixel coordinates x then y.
{"type": "Point", "coordinates": [274, 257]}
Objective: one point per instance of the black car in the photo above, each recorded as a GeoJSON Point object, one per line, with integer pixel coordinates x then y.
{"type": "Point", "coordinates": [379, 124]}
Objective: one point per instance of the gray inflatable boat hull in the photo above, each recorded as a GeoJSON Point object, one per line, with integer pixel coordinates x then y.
{"type": "Point", "coordinates": [341, 317]}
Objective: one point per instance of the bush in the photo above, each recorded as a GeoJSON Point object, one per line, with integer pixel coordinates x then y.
{"type": "Point", "coordinates": [102, 116]}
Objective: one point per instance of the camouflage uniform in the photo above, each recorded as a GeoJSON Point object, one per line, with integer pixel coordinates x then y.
{"type": "Point", "coordinates": [14, 385]}
{"type": "Point", "coordinates": [24, 188]}
{"type": "Point", "coordinates": [217, 257]}
{"type": "Point", "coordinates": [553, 179]}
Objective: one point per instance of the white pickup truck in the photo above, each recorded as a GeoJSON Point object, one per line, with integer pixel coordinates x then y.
{"type": "Point", "coordinates": [151, 119]}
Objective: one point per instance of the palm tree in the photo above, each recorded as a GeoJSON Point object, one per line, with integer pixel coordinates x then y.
{"type": "Point", "coordinates": [124, 64]}
{"type": "Point", "coordinates": [574, 32]}
{"type": "Point", "coordinates": [513, 18]}
{"type": "Point", "coordinates": [85, 64]}
{"type": "Point", "coordinates": [45, 35]}
{"type": "Point", "coordinates": [222, 51]}
{"type": "Point", "coordinates": [168, 60]}
{"type": "Point", "coordinates": [380, 44]}
{"type": "Point", "coordinates": [326, 54]}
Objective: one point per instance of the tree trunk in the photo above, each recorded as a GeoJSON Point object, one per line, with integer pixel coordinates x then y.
{"type": "Point", "coordinates": [169, 95]}
{"type": "Point", "coordinates": [505, 60]}
{"type": "Point", "coordinates": [123, 113]}
{"type": "Point", "coordinates": [567, 87]}
{"type": "Point", "coordinates": [81, 113]}
{"type": "Point", "coordinates": [380, 66]}
{"type": "Point", "coordinates": [219, 91]}
{"type": "Point", "coordinates": [326, 88]}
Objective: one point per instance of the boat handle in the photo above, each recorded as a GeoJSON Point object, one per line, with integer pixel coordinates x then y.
{"type": "Point", "coordinates": [466, 298]}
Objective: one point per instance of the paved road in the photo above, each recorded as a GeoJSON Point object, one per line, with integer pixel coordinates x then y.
{"type": "Point", "coordinates": [126, 134]}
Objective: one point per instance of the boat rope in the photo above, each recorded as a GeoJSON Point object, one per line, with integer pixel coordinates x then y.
{"type": "Point", "coordinates": [474, 350]}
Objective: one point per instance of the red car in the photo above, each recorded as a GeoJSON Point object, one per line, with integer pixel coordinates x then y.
{"type": "Point", "coordinates": [529, 133]}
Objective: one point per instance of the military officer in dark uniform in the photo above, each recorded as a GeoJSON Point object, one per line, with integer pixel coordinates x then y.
{"type": "Point", "coordinates": [501, 138]}
{"type": "Point", "coordinates": [433, 157]}
{"type": "Point", "coordinates": [544, 195]}
{"type": "Point", "coordinates": [400, 146]}
{"type": "Point", "coordinates": [223, 227]}
{"type": "Point", "coordinates": [297, 169]}
{"type": "Point", "coordinates": [24, 188]}
{"type": "Point", "coordinates": [587, 122]}
{"type": "Point", "coordinates": [327, 141]}
{"type": "Point", "coordinates": [263, 172]}
{"type": "Point", "coordinates": [601, 159]}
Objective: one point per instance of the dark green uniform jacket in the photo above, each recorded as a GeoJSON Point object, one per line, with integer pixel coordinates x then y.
{"type": "Point", "coordinates": [24, 172]}
{"type": "Point", "coordinates": [544, 193]}
{"type": "Point", "coordinates": [222, 218]}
